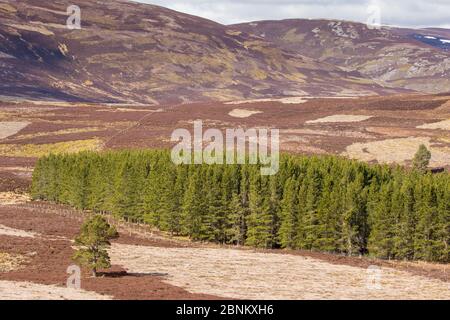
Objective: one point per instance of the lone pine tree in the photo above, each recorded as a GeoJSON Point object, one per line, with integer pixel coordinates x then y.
{"type": "Point", "coordinates": [92, 243]}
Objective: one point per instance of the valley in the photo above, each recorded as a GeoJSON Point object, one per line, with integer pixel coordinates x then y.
{"type": "Point", "coordinates": [131, 74]}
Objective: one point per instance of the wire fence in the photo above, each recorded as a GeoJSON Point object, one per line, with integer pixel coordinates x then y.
{"type": "Point", "coordinates": [124, 226]}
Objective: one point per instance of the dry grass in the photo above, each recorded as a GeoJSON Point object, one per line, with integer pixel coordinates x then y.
{"type": "Point", "coordinates": [39, 150]}
{"type": "Point", "coordinates": [327, 133]}
{"type": "Point", "coordinates": [12, 290]}
{"type": "Point", "coordinates": [11, 128]}
{"type": "Point", "coordinates": [7, 8]}
{"type": "Point", "coordinates": [397, 151]}
{"type": "Point", "coordinates": [39, 29]}
{"type": "Point", "coordinates": [11, 232]}
{"type": "Point", "coordinates": [395, 132]}
{"type": "Point", "coordinates": [58, 132]}
{"type": "Point", "coordinates": [8, 198]}
{"type": "Point", "coordinates": [289, 100]}
{"type": "Point", "coordinates": [9, 262]}
{"type": "Point", "coordinates": [137, 110]}
{"type": "Point", "coordinates": [443, 125]}
{"type": "Point", "coordinates": [243, 113]}
{"type": "Point", "coordinates": [244, 274]}
{"type": "Point", "coordinates": [340, 118]}
{"type": "Point", "coordinates": [299, 147]}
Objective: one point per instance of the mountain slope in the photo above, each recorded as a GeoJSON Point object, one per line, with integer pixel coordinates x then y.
{"type": "Point", "coordinates": [417, 59]}
{"type": "Point", "coordinates": [130, 52]}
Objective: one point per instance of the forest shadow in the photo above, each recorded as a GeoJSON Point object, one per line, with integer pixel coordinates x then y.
{"type": "Point", "coordinates": [121, 274]}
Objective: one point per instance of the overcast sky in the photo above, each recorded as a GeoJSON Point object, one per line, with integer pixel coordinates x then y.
{"type": "Point", "coordinates": [407, 13]}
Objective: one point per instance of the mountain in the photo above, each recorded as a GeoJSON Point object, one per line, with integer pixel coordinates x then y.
{"type": "Point", "coordinates": [127, 52]}
{"type": "Point", "coordinates": [416, 59]}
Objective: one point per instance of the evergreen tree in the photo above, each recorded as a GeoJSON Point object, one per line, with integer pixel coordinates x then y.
{"type": "Point", "coordinates": [380, 242]}
{"type": "Point", "coordinates": [259, 221]}
{"type": "Point", "coordinates": [92, 243]}
{"type": "Point", "coordinates": [193, 209]}
{"type": "Point", "coordinates": [236, 221]}
{"type": "Point", "coordinates": [289, 214]}
{"type": "Point", "coordinates": [315, 203]}
{"type": "Point", "coordinates": [422, 158]}
{"type": "Point", "coordinates": [354, 219]}
{"type": "Point", "coordinates": [126, 197]}
{"type": "Point", "coordinates": [309, 221]}
{"type": "Point", "coordinates": [328, 212]}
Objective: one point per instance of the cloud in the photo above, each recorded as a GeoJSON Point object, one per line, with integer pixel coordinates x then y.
{"type": "Point", "coordinates": [407, 13]}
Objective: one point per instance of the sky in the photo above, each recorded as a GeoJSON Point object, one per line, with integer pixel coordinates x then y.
{"type": "Point", "coordinates": [405, 13]}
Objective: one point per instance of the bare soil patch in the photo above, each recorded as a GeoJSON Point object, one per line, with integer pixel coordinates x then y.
{"type": "Point", "coordinates": [242, 113]}
{"type": "Point", "coordinates": [340, 118]}
{"type": "Point", "coordinates": [11, 128]}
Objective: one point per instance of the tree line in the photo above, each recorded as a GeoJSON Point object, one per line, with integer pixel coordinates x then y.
{"type": "Point", "coordinates": [323, 203]}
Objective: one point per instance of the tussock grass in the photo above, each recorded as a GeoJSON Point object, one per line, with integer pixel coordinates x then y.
{"type": "Point", "coordinates": [10, 262]}
{"type": "Point", "coordinates": [398, 150]}
{"type": "Point", "coordinates": [443, 125]}
{"type": "Point", "coordinates": [340, 118]}
{"type": "Point", "coordinates": [232, 273]}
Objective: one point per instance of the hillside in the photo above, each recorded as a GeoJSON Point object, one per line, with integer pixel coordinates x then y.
{"type": "Point", "coordinates": [417, 59]}
{"type": "Point", "coordinates": [130, 52]}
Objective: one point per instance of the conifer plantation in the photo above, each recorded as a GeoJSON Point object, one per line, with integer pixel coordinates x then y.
{"type": "Point", "coordinates": [314, 203]}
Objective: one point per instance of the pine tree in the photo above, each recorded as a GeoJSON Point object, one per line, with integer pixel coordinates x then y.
{"type": "Point", "coordinates": [236, 221]}
{"type": "Point", "coordinates": [427, 244]}
{"type": "Point", "coordinates": [422, 158]}
{"type": "Point", "coordinates": [380, 243]}
{"type": "Point", "coordinates": [289, 214]}
{"type": "Point", "coordinates": [259, 221]}
{"type": "Point", "coordinates": [328, 213]}
{"type": "Point", "coordinates": [98, 186]}
{"type": "Point", "coordinates": [309, 219]}
{"type": "Point", "coordinates": [193, 209]}
{"type": "Point", "coordinates": [403, 211]}
{"type": "Point", "coordinates": [126, 196]}
{"type": "Point", "coordinates": [354, 220]}
{"type": "Point", "coordinates": [316, 203]}
{"type": "Point", "coordinates": [443, 219]}
{"type": "Point", "coordinates": [92, 243]}
{"type": "Point", "coordinates": [302, 220]}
